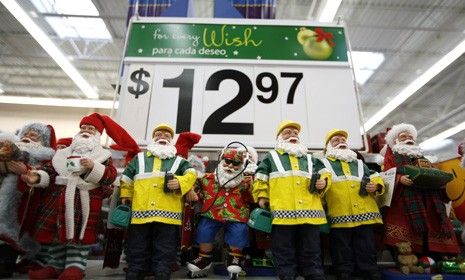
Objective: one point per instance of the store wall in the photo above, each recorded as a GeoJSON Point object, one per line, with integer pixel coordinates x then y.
{"type": "Point", "coordinates": [65, 120]}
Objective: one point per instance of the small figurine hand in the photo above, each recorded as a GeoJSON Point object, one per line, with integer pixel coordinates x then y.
{"type": "Point", "coordinates": [126, 201]}
{"type": "Point", "coordinates": [263, 202]}
{"type": "Point", "coordinates": [371, 187]}
{"type": "Point", "coordinates": [320, 184]}
{"type": "Point", "coordinates": [405, 180]}
{"type": "Point", "coordinates": [16, 167]}
{"type": "Point", "coordinates": [192, 196]}
{"type": "Point", "coordinates": [173, 184]}
{"type": "Point", "coordinates": [31, 177]}
{"type": "Point", "coordinates": [87, 163]}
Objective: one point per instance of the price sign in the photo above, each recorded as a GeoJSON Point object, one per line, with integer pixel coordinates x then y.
{"type": "Point", "coordinates": [231, 91]}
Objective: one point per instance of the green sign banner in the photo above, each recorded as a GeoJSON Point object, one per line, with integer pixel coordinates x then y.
{"type": "Point", "coordinates": [236, 41]}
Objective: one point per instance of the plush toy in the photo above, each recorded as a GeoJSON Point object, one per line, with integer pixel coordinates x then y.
{"type": "Point", "coordinates": [407, 260]}
{"type": "Point", "coordinates": [427, 263]}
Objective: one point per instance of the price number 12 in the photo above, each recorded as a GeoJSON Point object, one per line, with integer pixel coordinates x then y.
{"type": "Point", "coordinates": [214, 123]}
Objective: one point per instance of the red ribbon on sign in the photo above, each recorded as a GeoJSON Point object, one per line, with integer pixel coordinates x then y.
{"type": "Point", "coordinates": [328, 36]}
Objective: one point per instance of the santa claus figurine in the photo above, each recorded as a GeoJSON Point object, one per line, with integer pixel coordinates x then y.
{"type": "Point", "coordinates": [226, 195]}
{"type": "Point", "coordinates": [417, 213]}
{"type": "Point", "coordinates": [18, 201]}
{"type": "Point", "coordinates": [70, 210]}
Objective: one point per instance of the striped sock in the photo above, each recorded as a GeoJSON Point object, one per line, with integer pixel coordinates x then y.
{"type": "Point", "coordinates": [57, 256]}
{"type": "Point", "coordinates": [43, 256]}
{"type": "Point", "coordinates": [76, 255]}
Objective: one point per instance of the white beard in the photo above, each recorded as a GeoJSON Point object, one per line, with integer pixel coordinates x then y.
{"type": "Point", "coordinates": [162, 151]}
{"type": "Point", "coordinates": [407, 150]}
{"type": "Point", "coordinates": [223, 176]}
{"type": "Point", "coordinates": [298, 149]}
{"type": "Point", "coordinates": [341, 154]}
{"type": "Point", "coordinates": [85, 146]}
{"type": "Point", "coordinates": [37, 152]}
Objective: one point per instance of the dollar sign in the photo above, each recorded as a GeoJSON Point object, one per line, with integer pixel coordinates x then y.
{"type": "Point", "coordinates": [142, 86]}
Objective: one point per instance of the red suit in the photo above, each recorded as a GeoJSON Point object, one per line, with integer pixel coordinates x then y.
{"type": "Point", "coordinates": [418, 214]}
{"type": "Point", "coordinates": [73, 201]}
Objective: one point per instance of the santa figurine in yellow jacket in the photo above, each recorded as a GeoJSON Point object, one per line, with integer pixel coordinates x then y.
{"type": "Point", "coordinates": [154, 183]}
{"type": "Point", "coordinates": [351, 208]}
{"type": "Point", "coordinates": [288, 181]}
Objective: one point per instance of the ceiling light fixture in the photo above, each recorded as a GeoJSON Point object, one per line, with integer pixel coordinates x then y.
{"type": "Point", "coordinates": [365, 64]}
{"type": "Point", "coordinates": [18, 12]}
{"type": "Point", "coordinates": [414, 86]}
{"type": "Point", "coordinates": [44, 101]}
{"type": "Point", "coordinates": [329, 10]}
{"type": "Point", "coordinates": [443, 135]}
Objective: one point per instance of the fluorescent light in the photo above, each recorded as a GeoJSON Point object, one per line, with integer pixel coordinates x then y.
{"type": "Point", "coordinates": [79, 27]}
{"type": "Point", "coordinates": [414, 86]}
{"type": "Point", "coordinates": [78, 7]}
{"type": "Point", "coordinates": [329, 10]}
{"type": "Point", "coordinates": [365, 64]}
{"type": "Point", "coordinates": [43, 101]}
{"type": "Point", "coordinates": [47, 44]}
{"type": "Point", "coordinates": [443, 135]}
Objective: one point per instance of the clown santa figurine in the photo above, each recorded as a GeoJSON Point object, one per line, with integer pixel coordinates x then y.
{"type": "Point", "coordinates": [70, 212]}
{"type": "Point", "coordinates": [417, 213]}
{"type": "Point", "coordinates": [18, 201]}
{"type": "Point", "coordinates": [226, 196]}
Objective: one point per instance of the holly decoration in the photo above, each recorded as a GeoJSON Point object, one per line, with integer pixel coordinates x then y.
{"type": "Point", "coordinates": [317, 44]}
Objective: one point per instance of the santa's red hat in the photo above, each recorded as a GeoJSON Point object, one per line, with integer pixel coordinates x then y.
{"type": "Point", "coordinates": [186, 141]}
{"type": "Point", "coordinates": [394, 132]}
{"type": "Point", "coordinates": [124, 141]}
{"type": "Point", "coordinates": [65, 141]}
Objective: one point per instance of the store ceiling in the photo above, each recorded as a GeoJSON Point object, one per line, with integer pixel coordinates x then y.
{"type": "Point", "coordinates": [411, 34]}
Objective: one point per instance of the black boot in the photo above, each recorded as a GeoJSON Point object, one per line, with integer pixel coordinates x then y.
{"type": "Point", "coordinates": [372, 275]}
{"type": "Point", "coordinates": [135, 275]}
{"type": "Point", "coordinates": [343, 276]}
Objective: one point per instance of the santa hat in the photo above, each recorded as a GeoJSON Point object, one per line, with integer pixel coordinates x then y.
{"type": "Point", "coordinates": [46, 132]}
{"type": "Point", "coordinates": [252, 154]}
{"type": "Point", "coordinates": [65, 141]}
{"type": "Point", "coordinates": [186, 141]}
{"type": "Point", "coordinates": [124, 141]}
{"type": "Point", "coordinates": [198, 163]}
{"type": "Point", "coordinates": [233, 154]}
{"type": "Point", "coordinates": [394, 132]}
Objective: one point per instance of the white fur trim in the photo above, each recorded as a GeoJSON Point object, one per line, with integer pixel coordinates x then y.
{"type": "Point", "coordinates": [463, 165]}
{"type": "Point", "coordinates": [96, 173]}
{"type": "Point", "coordinates": [6, 136]}
{"type": "Point", "coordinates": [44, 179]}
{"type": "Point", "coordinates": [392, 134]}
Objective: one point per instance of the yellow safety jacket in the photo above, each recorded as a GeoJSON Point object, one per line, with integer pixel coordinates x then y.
{"type": "Point", "coordinates": [346, 206]}
{"type": "Point", "coordinates": [284, 179]}
{"type": "Point", "coordinates": [143, 181]}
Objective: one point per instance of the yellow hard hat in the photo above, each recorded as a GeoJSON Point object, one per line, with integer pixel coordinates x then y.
{"type": "Point", "coordinates": [287, 123]}
{"type": "Point", "coordinates": [334, 132]}
{"type": "Point", "coordinates": [163, 126]}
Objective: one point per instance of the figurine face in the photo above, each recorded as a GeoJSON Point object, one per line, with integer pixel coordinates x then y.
{"type": "Point", "coordinates": [406, 138]}
{"type": "Point", "coordinates": [232, 164]}
{"type": "Point", "coordinates": [31, 135]}
{"type": "Point", "coordinates": [87, 128]}
{"type": "Point", "coordinates": [338, 140]}
{"type": "Point", "coordinates": [290, 133]}
{"type": "Point", "coordinates": [162, 137]}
